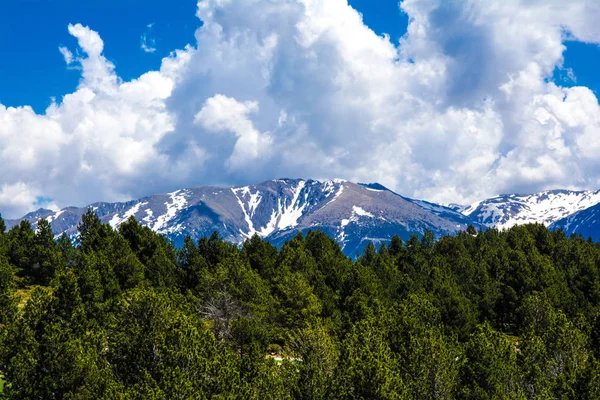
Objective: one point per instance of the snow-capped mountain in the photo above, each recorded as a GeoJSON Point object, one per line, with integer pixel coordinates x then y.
{"type": "Point", "coordinates": [352, 213]}
{"type": "Point", "coordinates": [545, 207]}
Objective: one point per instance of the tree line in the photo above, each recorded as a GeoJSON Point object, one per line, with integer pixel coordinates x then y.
{"type": "Point", "coordinates": [123, 314]}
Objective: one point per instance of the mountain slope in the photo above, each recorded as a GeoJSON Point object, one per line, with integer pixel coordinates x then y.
{"type": "Point", "coordinates": [545, 207]}
{"type": "Point", "coordinates": [358, 214]}
{"type": "Point", "coordinates": [585, 223]}
{"type": "Point", "coordinates": [352, 213]}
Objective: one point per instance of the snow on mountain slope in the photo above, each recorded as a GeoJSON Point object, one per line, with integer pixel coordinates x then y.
{"type": "Point", "coordinates": [290, 207]}
{"type": "Point", "coordinates": [276, 210]}
{"type": "Point", "coordinates": [359, 214]}
{"type": "Point", "coordinates": [352, 213]}
{"type": "Point", "coordinates": [545, 207]}
{"type": "Point", "coordinates": [585, 223]}
{"type": "Point", "coordinates": [177, 202]}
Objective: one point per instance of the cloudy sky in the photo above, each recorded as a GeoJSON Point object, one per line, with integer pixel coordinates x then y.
{"type": "Point", "coordinates": [450, 101]}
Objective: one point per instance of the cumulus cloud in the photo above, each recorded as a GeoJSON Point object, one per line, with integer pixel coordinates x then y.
{"type": "Point", "coordinates": [97, 144]}
{"type": "Point", "coordinates": [224, 114]}
{"type": "Point", "coordinates": [461, 109]}
{"type": "Point", "coordinates": [15, 197]}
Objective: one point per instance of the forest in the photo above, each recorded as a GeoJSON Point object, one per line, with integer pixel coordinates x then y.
{"type": "Point", "coordinates": [124, 314]}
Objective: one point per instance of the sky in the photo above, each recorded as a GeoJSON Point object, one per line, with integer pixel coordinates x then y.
{"type": "Point", "coordinates": [449, 101]}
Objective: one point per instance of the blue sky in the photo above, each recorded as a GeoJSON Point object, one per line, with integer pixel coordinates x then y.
{"type": "Point", "coordinates": [34, 29]}
{"type": "Point", "coordinates": [584, 60]}
{"type": "Point", "coordinates": [31, 68]}
{"type": "Point", "coordinates": [481, 97]}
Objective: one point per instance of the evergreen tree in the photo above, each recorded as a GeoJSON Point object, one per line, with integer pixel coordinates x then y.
{"type": "Point", "coordinates": [46, 254]}
{"type": "Point", "coordinates": [492, 370]}
{"type": "Point", "coordinates": [21, 251]}
{"type": "Point", "coordinates": [7, 299]}
{"type": "Point", "coordinates": [124, 314]}
{"type": "Point", "coordinates": [2, 225]}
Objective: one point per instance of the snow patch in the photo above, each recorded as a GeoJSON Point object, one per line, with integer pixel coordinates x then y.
{"type": "Point", "coordinates": [357, 212]}
{"type": "Point", "coordinates": [55, 216]}
{"type": "Point", "coordinates": [470, 209]}
{"type": "Point", "coordinates": [362, 213]}
{"type": "Point", "coordinates": [329, 186]}
{"type": "Point", "coordinates": [149, 216]}
{"type": "Point", "coordinates": [253, 202]}
{"type": "Point", "coordinates": [336, 196]}
{"type": "Point", "coordinates": [289, 214]}
{"type": "Point", "coordinates": [270, 227]}
{"type": "Point", "coordinates": [117, 220]}
{"type": "Point", "coordinates": [177, 203]}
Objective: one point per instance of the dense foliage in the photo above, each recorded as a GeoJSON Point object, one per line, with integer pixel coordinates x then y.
{"type": "Point", "coordinates": [125, 315]}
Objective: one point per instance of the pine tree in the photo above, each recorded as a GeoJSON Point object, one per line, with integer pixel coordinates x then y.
{"type": "Point", "coordinates": [46, 255]}
{"type": "Point", "coordinates": [2, 225]}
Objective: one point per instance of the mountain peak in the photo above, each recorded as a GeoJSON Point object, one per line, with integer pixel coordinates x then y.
{"type": "Point", "coordinates": [355, 214]}
{"type": "Point", "coordinates": [374, 186]}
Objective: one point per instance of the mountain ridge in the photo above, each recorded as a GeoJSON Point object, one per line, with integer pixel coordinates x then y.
{"type": "Point", "coordinates": [352, 213]}
{"type": "Point", "coordinates": [546, 207]}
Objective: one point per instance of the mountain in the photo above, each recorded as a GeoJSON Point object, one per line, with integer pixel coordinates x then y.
{"type": "Point", "coordinates": [546, 207]}
{"type": "Point", "coordinates": [585, 223]}
{"type": "Point", "coordinates": [352, 213]}
{"type": "Point", "coordinates": [277, 210]}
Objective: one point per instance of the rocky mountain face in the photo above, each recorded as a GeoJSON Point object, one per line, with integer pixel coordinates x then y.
{"type": "Point", "coordinates": [354, 214]}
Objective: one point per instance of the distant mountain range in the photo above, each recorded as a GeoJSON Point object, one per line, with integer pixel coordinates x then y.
{"type": "Point", "coordinates": [352, 213]}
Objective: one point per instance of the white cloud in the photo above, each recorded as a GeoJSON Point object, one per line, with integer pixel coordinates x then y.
{"type": "Point", "coordinates": [66, 54]}
{"type": "Point", "coordinates": [221, 113]}
{"type": "Point", "coordinates": [148, 44]}
{"type": "Point", "coordinates": [148, 47]}
{"type": "Point", "coordinates": [462, 109]}
{"type": "Point", "coordinates": [15, 197]}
